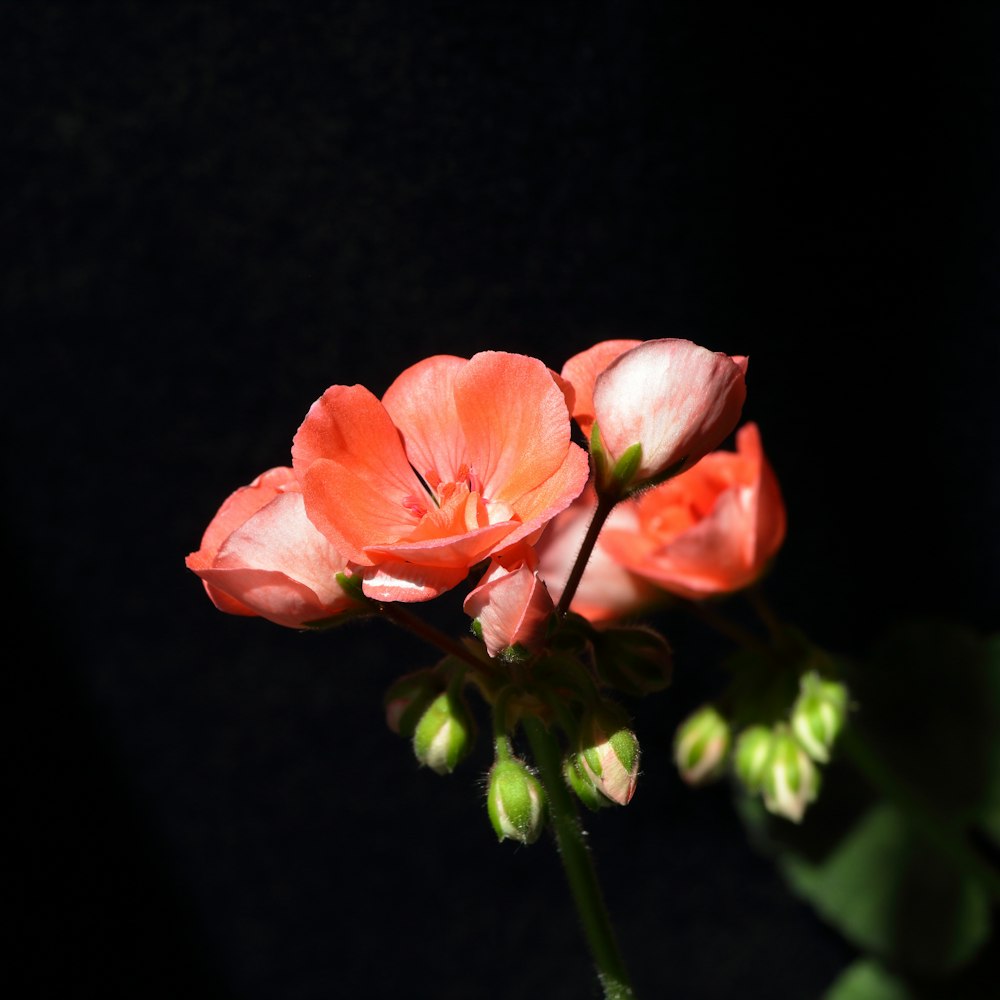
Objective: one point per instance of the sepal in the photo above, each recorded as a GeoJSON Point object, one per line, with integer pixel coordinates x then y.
{"type": "Point", "coordinates": [634, 660]}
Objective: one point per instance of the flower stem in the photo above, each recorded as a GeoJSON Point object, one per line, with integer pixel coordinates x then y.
{"type": "Point", "coordinates": [605, 504]}
{"type": "Point", "coordinates": [430, 634]}
{"type": "Point", "coordinates": [578, 863]}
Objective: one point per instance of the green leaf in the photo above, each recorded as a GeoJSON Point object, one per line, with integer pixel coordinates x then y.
{"type": "Point", "coordinates": [890, 893]}
{"type": "Point", "coordinates": [868, 980]}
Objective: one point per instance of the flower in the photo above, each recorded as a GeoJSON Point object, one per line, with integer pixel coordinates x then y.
{"type": "Point", "coordinates": [262, 556]}
{"type": "Point", "coordinates": [460, 459]}
{"type": "Point", "coordinates": [511, 603]}
{"type": "Point", "coordinates": [709, 531]}
{"type": "Point", "coordinates": [607, 591]}
{"type": "Point", "coordinates": [675, 400]}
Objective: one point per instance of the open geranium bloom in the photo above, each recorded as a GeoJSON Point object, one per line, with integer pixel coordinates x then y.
{"type": "Point", "coordinates": [711, 530]}
{"type": "Point", "coordinates": [460, 459]}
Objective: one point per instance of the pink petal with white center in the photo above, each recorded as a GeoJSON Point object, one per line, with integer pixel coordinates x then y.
{"type": "Point", "coordinates": [674, 398]}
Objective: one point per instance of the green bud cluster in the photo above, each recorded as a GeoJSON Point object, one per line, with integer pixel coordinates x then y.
{"type": "Point", "coordinates": [780, 762]}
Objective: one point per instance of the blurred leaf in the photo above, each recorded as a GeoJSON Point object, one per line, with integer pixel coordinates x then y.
{"type": "Point", "coordinates": [890, 893]}
{"type": "Point", "coordinates": [868, 980]}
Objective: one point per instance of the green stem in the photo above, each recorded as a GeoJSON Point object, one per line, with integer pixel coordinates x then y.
{"type": "Point", "coordinates": [605, 505]}
{"type": "Point", "coordinates": [578, 864]}
{"type": "Point", "coordinates": [949, 842]}
{"type": "Point", "coordinates": [435, 637]}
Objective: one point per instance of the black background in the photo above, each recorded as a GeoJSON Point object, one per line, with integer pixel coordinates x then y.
{"type": "Point", "coordinates": [212, 212]}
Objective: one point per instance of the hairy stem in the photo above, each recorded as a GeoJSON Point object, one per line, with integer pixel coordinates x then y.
{"type": "Point", "coordinates": [604, 507]}
{"type": "Point", "coordinates": [578, 863]}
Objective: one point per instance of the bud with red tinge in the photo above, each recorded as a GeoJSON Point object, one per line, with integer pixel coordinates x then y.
{"type": "Point", "coordinates": [609, 753]}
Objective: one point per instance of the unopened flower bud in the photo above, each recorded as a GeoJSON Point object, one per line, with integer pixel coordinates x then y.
{"type": "Point", "coordinates": [634, 660]}
{"type": "Point", "coordinates": [579, 781]}
{"type": "Point", "coordinates": [702, 745]}
{"type": "Point", "coordinates": [791, 780]}
{"type": "Point", "coordinates": [818, 715]}
{"type": "Point", "coordinates": [753, 750]}
{"type": "Point", "coordinates": [515, 802]}
{"type": "Point", "coordinates": [609, 753]}
{"type": "Point", "coordinates": [444, 734]}
{"type": "Point", "coordinates": [407, 699]}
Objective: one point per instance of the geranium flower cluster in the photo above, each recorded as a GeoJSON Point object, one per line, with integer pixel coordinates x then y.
{"type": "Point", "coordinates": [467, 462]}
{"type": "Point", "coordinates": [467, 467]}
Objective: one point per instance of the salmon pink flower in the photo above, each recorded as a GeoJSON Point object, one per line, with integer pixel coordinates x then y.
{"type": "Point", "coordinates": [709, 531]}
{"type": "Point", "coordinates": [459, 460]}
{"type": "Point", "coordinates": [608, 590]}
{"type": "Point", "coordinates": [673, 399]}
{"type": "Point", "coordinates": [262, 556]}
{"type": "Point", "coordinates": [511, 603]}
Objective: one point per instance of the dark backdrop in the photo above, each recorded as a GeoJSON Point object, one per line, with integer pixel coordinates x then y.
{"type": "Point", "coordinates": [212, 212]}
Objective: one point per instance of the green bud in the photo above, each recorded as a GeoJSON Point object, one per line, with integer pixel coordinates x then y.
{"type": "Point", "coordinates": [609, 752]}
{"type": "Point", "coordinates": [444, 734]}
{"type": "Point", "coordinates": [515, 802]}
{"type": "Point", "coordinates": [818, 715]}
{"type": "Point", "coordinates": [701, 746]}
{"type": "Point", "coordinates": [577, 779]}
{"type": "Point", "coordinates": [633, 660]}
{"type": "Point", "coordinates": [753, 750]}
{"type": "Point", "coordinates": [407, 699]}
{"type": "Point", "coordinates": [791, 780]}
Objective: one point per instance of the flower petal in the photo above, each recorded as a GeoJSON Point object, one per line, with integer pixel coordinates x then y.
{"type": "Point", "coordinates": [421, 403]}
{"type": "Point", "coordinates": [581, 372]}
{"type": "Point", "coordinates": [354, 472]}
{"type": "Point", "coordinates": [676, 399]}
{"type": "Point", "coordinates": [402, 581]}
{"type": "Point", "coordinates": [515, 421]}
{"type": "Point", "coordinates": [277, 565]}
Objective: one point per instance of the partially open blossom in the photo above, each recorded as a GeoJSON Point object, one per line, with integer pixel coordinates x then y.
{"type": "Point", "coordinates": [261, 555]}
{"type": "Point", "coordinates": [459, 460]}
{"type": "Point", "coordinates": [607, 591]}
{"type": "Point", "coordinates": [709, 531]}
{"type": "Point", "coordinates": [675, 400]}
{"type": "Point", "coordinates": [511, 603]}
{"type": "Point", "coordinates": [609, 753]}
